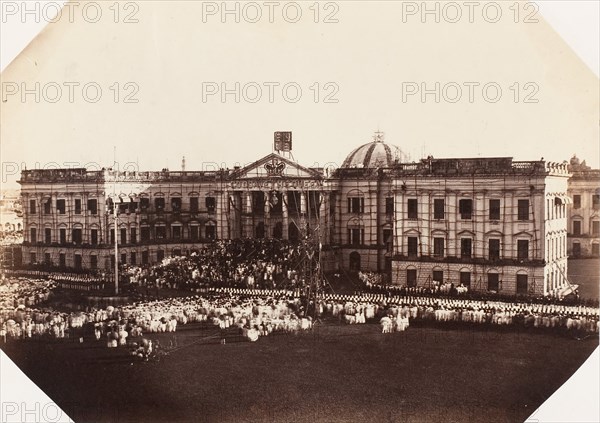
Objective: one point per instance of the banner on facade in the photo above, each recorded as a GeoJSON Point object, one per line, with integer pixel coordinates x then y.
{"type": "Point", "coordinates": [283, 141]}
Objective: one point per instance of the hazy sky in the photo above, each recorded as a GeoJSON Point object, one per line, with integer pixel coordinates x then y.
{"type": "Point", "coordinates": [369, 70]}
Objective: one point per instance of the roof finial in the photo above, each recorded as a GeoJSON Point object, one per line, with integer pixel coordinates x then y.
{"type": "Point", "coordinates": [379, 136]}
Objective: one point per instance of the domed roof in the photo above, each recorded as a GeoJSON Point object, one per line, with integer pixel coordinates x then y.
{"type": "Point", "coordinates": [375, 154]}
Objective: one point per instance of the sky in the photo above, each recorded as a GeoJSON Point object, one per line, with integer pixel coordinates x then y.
{"type": "Point", "coordinates": [165, 80]}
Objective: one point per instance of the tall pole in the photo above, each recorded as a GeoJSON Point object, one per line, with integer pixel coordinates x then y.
{"type": "Point", "coordinates": [116, 207]}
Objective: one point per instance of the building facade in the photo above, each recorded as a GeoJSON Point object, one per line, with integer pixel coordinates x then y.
{"type": "Point", "coordinates": [584, 215]}
{"type": "Point", "coordinates": [490, 223]}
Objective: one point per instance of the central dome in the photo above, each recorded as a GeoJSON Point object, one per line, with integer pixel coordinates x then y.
{"type": "Point", "coordinates": [375, 154]}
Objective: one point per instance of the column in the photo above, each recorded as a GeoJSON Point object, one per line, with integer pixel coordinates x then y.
{"type": "Point", "coordinates": [267, 213]}
{"type": "Point", "coordinates": [284, 210]}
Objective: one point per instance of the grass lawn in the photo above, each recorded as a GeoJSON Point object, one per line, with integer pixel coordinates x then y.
{"type": "Point", "coordinates": [332, 374]}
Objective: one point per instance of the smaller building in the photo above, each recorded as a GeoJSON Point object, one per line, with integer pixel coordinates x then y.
{"type": "Point", "coordinates": [584, 213]}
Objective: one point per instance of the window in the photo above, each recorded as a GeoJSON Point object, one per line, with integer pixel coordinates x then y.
{"type": "Point", "coordinates": [596, 201]}
{"type": "Point", "coordinates": [577, 227]}
{"type": "Point", "coordinates": [388, 239]}
{"type": "Point", "coordinates": [211, 204]}
{"type": "Point", "coordinates": [133, 258]}
{"type": "Point", "coordinates": [133, 206]}
{"type": "Point", "coordinates": [48, 206]}
{"type": "Point", "coordinates": [356, 235]}
{"type": "Point", "coordinates": [494, 249]}
{"type": "Point", "coordinates": [94, 261]}
{"type": "Point", "coordinates": [596, 227]}
{"type": "Point", "coordinates": [194, 205]}
{"type": "Point", "coordinates": [356, 205]}
{"type": "Point", "coordinates": [47, 259]}
{"type": "Point", "coordinates": [92, 206]}
{"type": "Point", "coordinates": [144, 257]}
{"type": "Point", "coordinates": [465, 278]}
{"type": "Point", "coordinates": [144, 203]}
{"type": "Point", "coordinates": [494, 209]}
{"type": "Point", "coordinates": [210, 230]}
{"type": "Point", "coordinates": [161, 232]}
{"type": "Point", "coordinates": [33, 235]}
{"type": "Point", "coordinates": [123, 208]}
{"type": "Point", "coordinates": [577, 201]}
{"type": "Point", "coordinates": [62, 260]}
{"type": "Point", "coordinates": [493, 282]}
{"type": "Point", "coordinates": [159, 204]}
{"type": "Point", "coordinates": [47, 235]}
{"type": "Point", "coordinates": [145, 233]}
{"type": "Point", "coordinates": [60, 206]}
{"type": "Point", "coordinates": [413, 208]}
{"type": "Point", "coordinates": [522, 249]}
{"type": "Point", "coordinates": [412, 246]}
{"type": "Point", "coordinates": [576, 249]}
{"type": "Point", "coordinates": [438, 247]}
{"type": "Point", "coordinates": [411, 277]}
{"type": "Point", "coordinates": [258, 202]}
{"type": "Point", "coordinates": [595, 249]}
{"type": "Point", "coordinates": [465, 208]}
{"type": "Point", "coordinates": [123, 236]}
{"type": "Point", "coordinates": [466, 245]}
{"type": "Point", "coordinates": [438, 276]}
{"type": "Point", "coordinates": [133, 236]}
{"type": "Point", "coordinates": [62, 234]}
{"type": "Point", "coordinates": [176, 204]}
{"type": "Point", "coordinates": [521, 284]}
{"type": "Point", "coordinates": [160, 255]}
{"type": "Point", "coordinates": [176, 230]}
{"type": "Point", "coordinates": [438, 208]}
{"type": "Point", "coordinates": [523, 210]}
{"type": "Point", "coordinates": [94, 236]}
{"type": "Point", "coordinates": [77, 206]}
{"type": "Point", "coordinates": [123, 259]}
{"type": "Point", "coordinates": [76, 236]}
{"type": "Point", "coordinates": [77, 260]}
{"type": "Point", "coordinates": [32, 208]}
{"type": "Point", "coordinates": [32, 258]}
{"type": "Point", "coordinates": [389, 205]}
{"type": "Point", "coordinates": [112, 236]}
{"type": "Point", "coordinates": [194, 232]}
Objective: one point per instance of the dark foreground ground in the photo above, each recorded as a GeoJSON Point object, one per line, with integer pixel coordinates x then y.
{"type": "Point", "coordinates": [336, 373]}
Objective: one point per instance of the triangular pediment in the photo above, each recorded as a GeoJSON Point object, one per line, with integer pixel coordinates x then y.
{"type": "Point", "coordinates": [275, 166]}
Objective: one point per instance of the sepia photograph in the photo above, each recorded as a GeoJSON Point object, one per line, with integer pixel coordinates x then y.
{"type": "Point", "coordinates": [311, 211]}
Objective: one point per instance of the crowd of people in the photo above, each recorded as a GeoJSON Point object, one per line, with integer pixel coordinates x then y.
{"type": "Point", "coordinates": [254, 316]}
{"type": "Point", "coordinates": [365, 307]}
{"type": "Point", "coordinates": [374, 282]}
{"type": "Point", "coordinates": [11, 237]}
{"type": "Point", "coordinates": [250, 263]}
{"type": "Point", "coordinates": [257, 286]}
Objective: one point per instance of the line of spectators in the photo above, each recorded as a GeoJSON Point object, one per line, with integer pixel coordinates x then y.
{"type": "Point", "coordinates": [366, 307]}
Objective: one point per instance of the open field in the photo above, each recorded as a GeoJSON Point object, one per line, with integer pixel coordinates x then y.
{"type": "Point", "coordinates": [333, 374]}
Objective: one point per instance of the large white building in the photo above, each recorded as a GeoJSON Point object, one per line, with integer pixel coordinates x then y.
{"type": "Point", "coordinates": [584, 215]}
{"type": "Point", "coordinates": [491, 223]}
